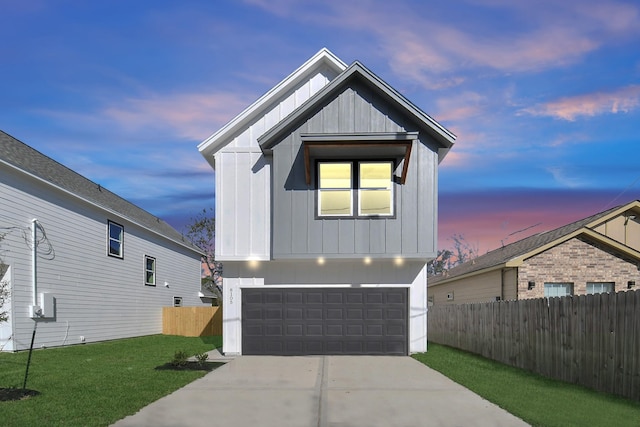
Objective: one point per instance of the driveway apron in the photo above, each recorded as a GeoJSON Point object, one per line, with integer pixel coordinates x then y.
{"type": "Point", "coordinates": [322, 391]}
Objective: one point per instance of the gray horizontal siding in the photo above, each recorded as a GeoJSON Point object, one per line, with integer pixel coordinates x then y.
{"type": "Point", "coordinates": [97, 296]}
{"type": "Point", "coordinates": [297, 233]}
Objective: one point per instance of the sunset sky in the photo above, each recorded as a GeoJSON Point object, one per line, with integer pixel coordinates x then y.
{"type": "Point", "coordinates": [544, 96]}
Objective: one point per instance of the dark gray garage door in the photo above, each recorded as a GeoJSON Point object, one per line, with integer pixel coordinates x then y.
{"type": "Point", "coordinates": [325, 321]}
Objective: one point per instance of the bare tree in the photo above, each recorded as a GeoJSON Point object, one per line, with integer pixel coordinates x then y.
{"type": "Point", "coordinates": [461, 252]}
{"type": "Point", "coordinates": [201, 232]}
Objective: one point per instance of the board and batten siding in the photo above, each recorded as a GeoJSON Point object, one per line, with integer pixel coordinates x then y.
{"type": "Point", "coordinates": [243, 179]}
{"type": "Point", "coordinates": [298, 233]}
{"type": "Point", "coordinates": [96, 296]}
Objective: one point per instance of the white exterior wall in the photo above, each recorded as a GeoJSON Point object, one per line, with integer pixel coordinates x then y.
{"type": "Point", "coordinates": [333, 273]}
{"type": "Point", "coordinates": [96, 296]}
{"type": "Point", "coordinates": [243, 180]}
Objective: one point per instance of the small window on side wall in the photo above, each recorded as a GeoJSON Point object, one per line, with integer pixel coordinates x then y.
{"type": "Point", "coordinates": [149, 271]}
{"type": "Point", "coordinates": [115, 239]}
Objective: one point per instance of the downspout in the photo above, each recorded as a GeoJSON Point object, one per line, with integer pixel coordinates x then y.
{"type": "Point", "coordinates": [34, 262]}
{"type": "Point", "coordinates": [36, 310]}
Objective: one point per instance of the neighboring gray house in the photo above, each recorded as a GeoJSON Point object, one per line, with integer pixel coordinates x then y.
{"type": "Point", "coordinates": [326, 207]}
{"type": "Point", "coordinates": [599, 253]}
{"type": "Point", "coordinates": [84, 264]}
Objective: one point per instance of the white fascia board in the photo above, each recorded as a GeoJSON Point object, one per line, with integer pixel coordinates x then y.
{"type": "Point", "coordinates": [216, 141]}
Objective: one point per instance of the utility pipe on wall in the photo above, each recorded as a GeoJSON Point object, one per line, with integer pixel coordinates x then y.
{"type": "Point", "coordinates": [34, 258]}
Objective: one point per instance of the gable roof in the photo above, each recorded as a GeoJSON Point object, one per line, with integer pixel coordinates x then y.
{"type": "Point", "coordinates": [20, 156]}
{"type": "Point", "coordinates": [513, 254]}
{"type": "Point", "coordinates": [323, 59]}
{"type": "Point", "coordinates": [358, 71]}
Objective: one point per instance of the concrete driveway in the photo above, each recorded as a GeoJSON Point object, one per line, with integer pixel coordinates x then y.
{"type": "Point", "coordinates": [319, 391]}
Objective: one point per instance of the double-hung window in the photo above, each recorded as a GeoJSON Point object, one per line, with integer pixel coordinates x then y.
{"type": "Point", "coordinates": [599, 287]}
{"type": "Point", "coordinates": [149, 270]}
{"type": "Point", "coordinates": [557, 289]}
{"type": "Point", "coordinates": [355, 188]}
{"type": "Point", "coordinates": [115, 240]}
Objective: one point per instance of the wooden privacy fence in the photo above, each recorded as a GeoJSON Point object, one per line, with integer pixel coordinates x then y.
{"type": "Point", "coordinates": [192, 321]}
{"type": "Point", "coordinates": [591, 340]}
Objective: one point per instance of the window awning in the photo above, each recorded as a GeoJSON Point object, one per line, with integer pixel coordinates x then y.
{"type": "Point", "coordinates": [358, 146]}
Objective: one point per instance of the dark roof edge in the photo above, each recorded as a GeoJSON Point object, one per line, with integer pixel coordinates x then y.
{"type": "Point", "coordinates": [33, 175]}
{"type": "Point", "coordinates": [441, 134]}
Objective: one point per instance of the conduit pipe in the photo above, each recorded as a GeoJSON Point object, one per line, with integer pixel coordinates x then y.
{"type": "Point", "coordinates": [34, 261]}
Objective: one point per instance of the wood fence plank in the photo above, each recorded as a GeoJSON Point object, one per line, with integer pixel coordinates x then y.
{"type": "Point", "coordinates": [591, 340]}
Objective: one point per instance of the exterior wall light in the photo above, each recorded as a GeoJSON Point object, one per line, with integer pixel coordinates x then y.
{"type": "Point", "coordinates": [631, 284]}
{"type": "Point", "coordinates": [531, 285]}
{"type": "Point", "coordinates": [367, 260]}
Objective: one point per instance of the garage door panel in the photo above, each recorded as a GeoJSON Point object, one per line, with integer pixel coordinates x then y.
{"type": "Point", "coordinates": [394, 314]}
{"type": "Point", "coordinates": [355, 330]}
{"type": "Point", "coordinates": [295, 313]}
{"type": "Point", "coordinates": [314, 330]}
{"type": "Point", "coordinates": [313, 313]}
{"type": "Point", "coordinates": [334, 314]}
{"type": "Point", "coordinates": [299, 321]}
{"type": "Point", "coordinates": [271, 313]}
{"type": "Point", "coordinates": [272, 330]}
{"type": "Point", "coordinates": [375, 314]}
{"type": "Point", "coordinates": [334, 298]}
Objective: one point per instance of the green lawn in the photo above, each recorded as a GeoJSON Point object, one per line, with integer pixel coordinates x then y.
{"type": "Point", "coordinates": [537, 400]}
{"type": "Point", "coordinates": [95, 384]}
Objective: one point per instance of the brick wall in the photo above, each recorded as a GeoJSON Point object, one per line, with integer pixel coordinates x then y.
{"type": "Point", "coordinates": [577, 261]}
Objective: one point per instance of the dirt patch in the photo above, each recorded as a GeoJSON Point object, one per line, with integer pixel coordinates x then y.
{"type": "Point", "coordinates": [190, 366]}
{"type": "Point", "coordinates": [7, 394]}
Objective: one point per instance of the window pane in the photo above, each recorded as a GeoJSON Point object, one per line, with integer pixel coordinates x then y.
{"type": "Point", "coordinates": [335, 202]}
{"type": "Point", "coordinates": [375, 175]}
{"type": "Point", "coordinates": [115, 232]}
{"type": "Point", "coordinates": [375, 188]}
{"type": "Point", "coordinates": [599, 287]}
{"type": "Point", "coordinates": [557, 289]}
{"type": "Point", "coordinates": [375, 202]}
{"type": "Point", "coordinates": [114, 247]}
{"type": "Point", "coordinates": [335, 175]}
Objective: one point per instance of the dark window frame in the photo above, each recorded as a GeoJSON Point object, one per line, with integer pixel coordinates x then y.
{"type": "Point", "coordinates": [120, 253]}
{"type": "Point", "coordinates": [153, 271]}
{"type": "Point", "coordinates": [355, 188]}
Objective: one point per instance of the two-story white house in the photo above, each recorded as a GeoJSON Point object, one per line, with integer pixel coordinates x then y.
{"type": "Point", "coordinates": [326, 214]}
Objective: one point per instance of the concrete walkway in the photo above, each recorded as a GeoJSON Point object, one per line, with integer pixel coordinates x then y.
{"type": "Point", "coordinates": [322, 391]}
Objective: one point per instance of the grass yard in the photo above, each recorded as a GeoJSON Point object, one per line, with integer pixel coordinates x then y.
{"type": "Point", "coordinates": [95, 384]}
{"type": "Point", "coordinates": [537, 400]}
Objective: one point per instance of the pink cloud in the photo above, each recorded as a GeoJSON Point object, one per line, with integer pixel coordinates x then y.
{"type": "Point", "coordinates": [490, 219]}
{"type": "Point", "coordinates": [432, 52]}
{"type": "Point", "coordinates": [622, 100]}
{"type": "Point", "coordinates": [189, 115]}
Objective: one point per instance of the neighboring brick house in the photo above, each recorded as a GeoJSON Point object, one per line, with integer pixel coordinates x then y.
{"type": "Point", "coordinates": [600, 253]}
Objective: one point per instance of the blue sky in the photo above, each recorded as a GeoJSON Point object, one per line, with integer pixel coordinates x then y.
{"type": "Point", "coordinates": [544, 96]}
